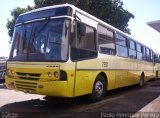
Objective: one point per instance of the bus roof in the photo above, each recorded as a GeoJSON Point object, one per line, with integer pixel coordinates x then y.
{"type": "Point", "coordinates": [48, 7]}
{"type": "Point", "coordinates": [76, 9]}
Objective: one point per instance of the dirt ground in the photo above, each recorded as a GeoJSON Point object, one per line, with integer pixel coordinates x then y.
{"type": "Point", "coordinates": [125, 102]}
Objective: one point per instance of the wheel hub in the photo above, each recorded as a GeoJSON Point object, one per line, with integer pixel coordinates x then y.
{"type": "Point", "coordinates": [99, 88]}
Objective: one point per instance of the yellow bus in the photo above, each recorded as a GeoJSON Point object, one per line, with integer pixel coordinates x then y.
{"type": "Point", "coordinates": [65, 52]}
{"type": "Point", "coordinates": [157, 64]}
{"type": "Point", "coordinates": [2, 70]}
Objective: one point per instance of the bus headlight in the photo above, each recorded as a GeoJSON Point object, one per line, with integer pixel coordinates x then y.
{"type": "Point", "coordinates": [49, 74]}
{"type": "Point", "coordinates": [56, 74]}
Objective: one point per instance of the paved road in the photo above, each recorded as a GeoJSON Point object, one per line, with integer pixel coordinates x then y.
{"type": "Point", "coordinates": [118, 103]}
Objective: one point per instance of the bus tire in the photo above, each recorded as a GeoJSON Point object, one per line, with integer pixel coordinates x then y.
{"type": "Point", "coordinates": [156, 74]}
{"type": "Point", "coordinates": [141, 80]}
{"type": "Point", "coordinates": [99, 89]}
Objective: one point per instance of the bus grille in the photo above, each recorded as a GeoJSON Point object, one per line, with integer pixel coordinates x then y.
{"type": "Point", "coordinates": [28, 76]}
{"type": "Point", "coordinates": [28, 86]}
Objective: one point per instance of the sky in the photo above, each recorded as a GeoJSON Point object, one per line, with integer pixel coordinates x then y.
{"type": "Point", "coordinates": [143, 10]}
{"type": "Point", "coordinates": [6, 7]}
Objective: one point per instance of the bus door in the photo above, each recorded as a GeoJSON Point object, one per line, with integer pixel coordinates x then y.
{"type": "Point", "coordinates": [82, 51]}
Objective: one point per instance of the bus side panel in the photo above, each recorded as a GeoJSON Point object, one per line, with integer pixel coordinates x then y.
{"type": "Point", "coordinates": [84, 82]}
{"type": "Point", "coordinates": [147, 68]}
{"type": "Point", "coordinates": [157, 69]}
{"type": "Point", "coordinates": [85, 76]}
{"type": "Point", "coordinates": [126, 72]}
{"type": "Point", "coordinates": [88, 70]}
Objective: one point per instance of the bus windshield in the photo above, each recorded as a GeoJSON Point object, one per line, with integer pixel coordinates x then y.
{"type": "Point", "coordinates": [45, 40]}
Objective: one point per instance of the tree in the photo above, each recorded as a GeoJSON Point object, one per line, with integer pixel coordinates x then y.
{"type": "Point", "coordinates": [110, 11]}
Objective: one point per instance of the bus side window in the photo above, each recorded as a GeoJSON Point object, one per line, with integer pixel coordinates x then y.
{"type": "Point", "coordinates": [106, 40]}
{"type": "Point", "coordinates": [156, 58]}
{"type": "Point", "coordinates": [121, 46]}
{"type": "Point", "coordinates": [132, 49]}
{"type": "Point", "coordinates": [151, 55]}
{"type": "Point", "coordinates": [139, 51]}
{"type": "Point", "coordinates": [148, 58]}
{"type": "Point", "coordinates": [86, 40]}
{"type": "Point", "coordinates": [144, 53]}
{"type": "Point", "coordinates": [86, 43]}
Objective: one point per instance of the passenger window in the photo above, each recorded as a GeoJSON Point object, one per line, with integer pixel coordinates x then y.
{"type": "Point", "coordinates": [120, 40]}
{"type": "Point", "coordinates": [144, 57]}
{"type": "Point", "coordinates": [148, 58]}
{"type": "Point", "coordinates": [132, 54]}
{"type": "Point", "coordinates": [139, 56]}
{"type": "Point", "coordinates": [88, 40]}
{"type": "Point", "coordinates": [121, 46]}
{"type": "Point", "coordinates": [139, 47]}
{"type": "Point", "coordinates": [132, 51]}
{"type": "Point", "coordinates": [86, 43]}
{"type": "Point", "coordinates": [139, 51]}
{"type": "Point", "coordinates": [132, 45]}
{"type": "Point", "coordinates": [106, 40]}
{"type": "Point", "coordinates": [151, 57]}
{"type": "Point", "coordinates": [122, 51]}
{"type": "Point", "coordinates": [156, 58]}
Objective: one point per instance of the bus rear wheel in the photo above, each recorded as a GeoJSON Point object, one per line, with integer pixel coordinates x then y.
{"type": "Point", "coordinates": [99, 89]}
{"type": "Point", "coordinates": [141, 81]}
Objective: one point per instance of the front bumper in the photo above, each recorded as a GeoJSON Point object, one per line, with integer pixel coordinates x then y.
{"type": "Point", "coordinates": [49, 88]}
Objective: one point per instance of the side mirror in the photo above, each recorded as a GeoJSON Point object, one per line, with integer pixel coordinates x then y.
{"type": "Point", "coordinates": [82, 29]}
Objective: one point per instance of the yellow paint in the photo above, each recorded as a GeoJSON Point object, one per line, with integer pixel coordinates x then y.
{"type": "Point", "coordinates": [81, 75]}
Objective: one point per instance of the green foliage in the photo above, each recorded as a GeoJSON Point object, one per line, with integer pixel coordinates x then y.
{"type": "Point", "coordinates": [110, 11]}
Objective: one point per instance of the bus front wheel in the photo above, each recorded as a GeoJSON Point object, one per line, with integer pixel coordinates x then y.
{"type": "Point", "coordinates": [99, 89]}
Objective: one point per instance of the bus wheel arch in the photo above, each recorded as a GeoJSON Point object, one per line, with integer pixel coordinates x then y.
{"type": "Point", "coordinates": [105, 78]}
{"type": "Point", "coordinates": [99, 87]}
